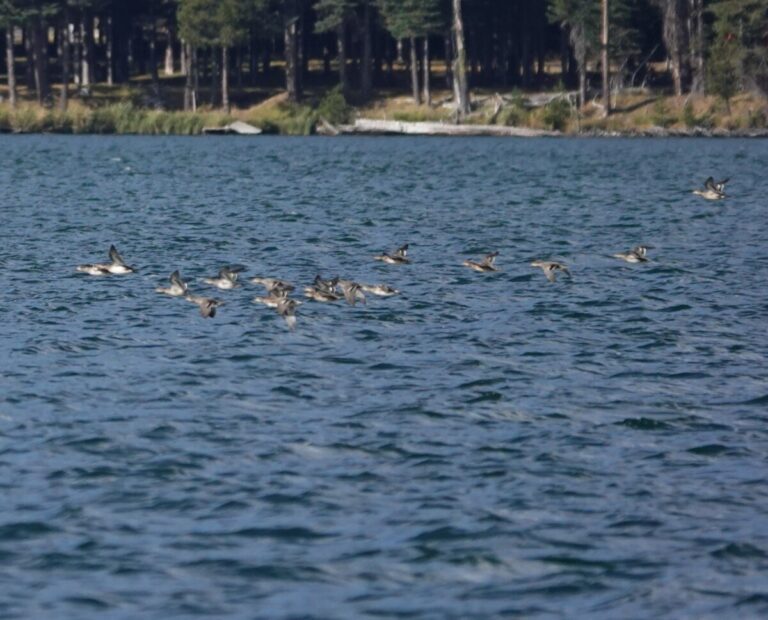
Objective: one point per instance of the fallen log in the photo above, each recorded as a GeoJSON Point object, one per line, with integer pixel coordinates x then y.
{"type": "Point", "coordinates": [237, 128]}
{"type": "Point", "coordinates": [382, 127]}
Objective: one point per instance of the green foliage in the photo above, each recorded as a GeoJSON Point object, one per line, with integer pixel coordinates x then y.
{"type": "Point", "coordinates": [660, 115]}
{"type": "Point", "coordinates": [56, 121]}
{"type": "Point", "coordinates": [691, 120]}
{"type": "Point", "coordinates": [420, 114]}
{"type": "Point", "coordinates": [6, 124]}
{"type": "Point", "coordinates": [514, 113]}
{"type": "Point", "coordinates": [26, 121]}
{"type": "Point", "coordinates": [557, 113]}
{"type": "Point", "coordinates": [513, 116]}
{"type": "Point", "coordinates": [331, 13]}
{"type": "Point", "coordinates": [724, 69]}
{"type": "Point", "coordinates": [195, 23]}
{"type": "Point", "coordinates": [582, 18]}
{"type": "Point", "coordinates": [757, 119]}
{"type": "Point", "coordinates": [741, 32]}
{"type": "Point", "coordinates": [413, 18]}
{"type": "Point", "coordinates": [334, 107]}
{"type": "Point", "coordinates": [208, 23]}
{"type": "Point", "coordinates": [284, 118]}
{"type": "Point", "coordinates": [689, 115]}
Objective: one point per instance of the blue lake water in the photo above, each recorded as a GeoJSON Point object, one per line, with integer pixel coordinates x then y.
{"type": "Point", "coordinates": [483, 445]}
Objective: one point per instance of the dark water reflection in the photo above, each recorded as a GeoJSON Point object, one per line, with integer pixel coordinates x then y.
{"type": "Point", "coordinates": [478, 446]}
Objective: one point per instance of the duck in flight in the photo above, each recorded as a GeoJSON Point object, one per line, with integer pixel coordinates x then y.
{"type": "Point", "coordinates": [398, 257]}
{"type": "Point", "coordinates": [272, 283]}
{"type": "Point", "coordinates": [635, 255]}
{"type": "Point", "coordinates": [381, 290]}
{"type": "Point", "coordinates": [352, 291]}
{"type": "Point", "coordinates": [207, 305]}
{"type": "Point", "coordinates": [712, 190]}
{"type": "Point", "coordinates": [274, 297]}
{"type": "Point", "coordinates": [287, 309]}
{"type": "Point", "coordinates": [322, 290]}
{"type": "Point", "coordinates": [550, 268]}
{"type": "Point", "coordinates": [178, 287]}
{"type": "Point", "coordinates": [485, 265]}
{"type": "Point", "coordinates": [227, 278]}
{"type": "Point", "coordinates": [116, 267]}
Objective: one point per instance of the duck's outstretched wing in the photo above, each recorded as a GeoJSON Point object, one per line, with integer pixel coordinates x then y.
{"type": "Point", "coordinates": [490, 259]}
{"type": "Point", "coordinates": [720, 185]}
{"type": "Point", "coordinates": [287, 310]}
{"type": "Point", "coordinates": [230, 272]}
{"type": "Point", "coordinates": [177, 280]}
{"type": "Point", "coordinates": [710, 184]}
{"type": "Point", "coordinates": [402, 251]}
{"type": "Point", "coordinates": [115, 257]}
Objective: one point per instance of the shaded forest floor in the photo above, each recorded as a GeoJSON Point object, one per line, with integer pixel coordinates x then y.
{"type": "Point", "coordinates": [133, 109]}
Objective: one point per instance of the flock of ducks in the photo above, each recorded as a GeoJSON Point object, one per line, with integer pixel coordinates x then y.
{"type": "Point", "coordinates": [321, 290]}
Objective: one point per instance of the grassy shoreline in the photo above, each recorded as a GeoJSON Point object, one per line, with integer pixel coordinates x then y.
{"type": "Point", "coordinates": [636, 113]}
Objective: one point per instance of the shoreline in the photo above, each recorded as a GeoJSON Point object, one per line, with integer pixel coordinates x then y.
{"type": "Point", "coordinates": [642, 116]}
{"type": "Point", "coordinates": [640, 133]}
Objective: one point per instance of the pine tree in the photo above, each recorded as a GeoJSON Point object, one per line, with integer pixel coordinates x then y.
{"type": "Point", "coordinates": [9, 16]}
{"type": "Point", "coordinates": [741, 35]}
{"type": "Point", "coordinates": [335, 16]}
{"type": "Point", "coordinates": [581, 18]}
{"type": "Point", "coordinates": [412, 19]}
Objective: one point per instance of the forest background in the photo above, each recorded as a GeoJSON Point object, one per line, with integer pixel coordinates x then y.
{"type": "Point", "coordinates": [291, 66]}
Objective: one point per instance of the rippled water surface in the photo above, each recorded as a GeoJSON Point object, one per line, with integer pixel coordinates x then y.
{"type": "Point", "coordinates": [483, 445]}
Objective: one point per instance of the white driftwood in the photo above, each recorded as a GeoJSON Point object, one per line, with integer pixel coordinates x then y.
{"type": "Point", "coordinates": [238, 128]}
{"type": "Point", "coordinates": [373, 126]}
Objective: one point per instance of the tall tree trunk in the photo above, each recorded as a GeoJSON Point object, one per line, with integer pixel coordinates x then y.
{"type": "Point", "coordinates": [448, 58]}
{"type": "Point", "coordinates": [302, 58]}
{"type": "Point", "coordinates": [676, 38]}
{"type": "Point", "coordinates": [11, 62]}
{"type": "Point", "coordinates": [389, 58]}
{"type": "Point", "coordinates": [266, 58]}
{"type": "Point", "coordinates": [64, 98]}
{"type": "Point", "coordinates": [40, 59]}
{"type": "Point", "coordinates": [425, 65]}
{"type": "Point", "coordinates": [696, 28]}
{"type": "Point", "coordinates": [153, 61]}
{"type": "Point", "coordinates": [415, 73]}
{"type": "Point", "coordinates": [188, 82]}
{"type": "Point", "coordinates": [377, 52]}
{"type": "Point", "coordinates": [341, 39]}
{"type": "Point", "coordinates": [292, 85]}
{"type": "Point", "coordinates": [564, 75]}
{"type": "Point", "coordinates": [110, 51]}
{"type": "Point", "coordinates": [579, 42]}
{"type": "Point", "coordinates": [460, 85]}
{"type": "Point", "coordinates": [326, 61]}
{"type": "Point", "coordinates": [366, 69]}
{"type": "Point", "coordinates": [77, 60]}
{"type": "Point", "coordinates": [29, 73]}
{"type": "Point", "coordinates": [194, 68]}
{"type": "Point", "coordinates": [225, 78]}
{"type": "Point", "coordinates": [541, 51]}
{"type": "Point", "coordinates": [183, 58]}
{"type": "Point", "coordinates": [582, 82]}
{"type": "Point", "coordinates": [527, 57]}
{"type": "Point", "coordinates": [604, 58]}
{"type": "Point", "coordinates": [168, 64]}
{"type": "Point", "coordinates": [86, 36]}
{"type": "Point", "coordinates": [214, 75]}
{"type": "Point", "coordinates": [253, 61]}
{"type": "Point", "coordinates": [239, 65]}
